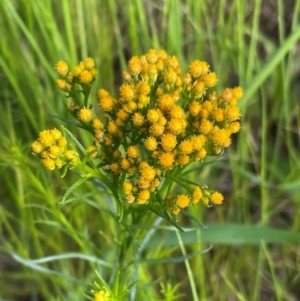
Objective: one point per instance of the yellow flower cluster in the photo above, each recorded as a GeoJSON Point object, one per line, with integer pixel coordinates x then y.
{"type": "Point", "coordinates": [161, 121]}
{"type": "Point", "coordinates": [84, 73]}
{"type": "Point", "coordinates": [166, 118]}
{"type": "Point", "coordinates": [101, 296]}
{"type": "Point", "coordinates": [175, 204]}
{"type": "Point", "coordinates": [51, 146]}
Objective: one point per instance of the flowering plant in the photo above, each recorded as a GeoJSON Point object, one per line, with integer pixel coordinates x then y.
{"type": "Point", "coordinates": [144, 139]}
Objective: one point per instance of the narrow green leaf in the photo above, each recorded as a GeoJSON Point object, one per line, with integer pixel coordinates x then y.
{"type": "Point", "coordinates": [73, 187]}
{"type": "Point", "coordinates": [229, 234]}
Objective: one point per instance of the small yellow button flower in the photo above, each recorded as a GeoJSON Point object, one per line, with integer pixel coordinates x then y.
{"type": "Point", "coordinates": [125, 163]}
{"type": "Point", "coordinates": [198, 68]}
{"type": "Point", "coordinates": [186, 147]}
{"type": "Point", "coordinates": [148, 173]}
{"type": "Point", "coordinates": [165, 102]}
{"type": "Point", "coordinates": [176, 126]}
{"type": "Point", "coordinates": [210, 80]}
{"type": "Point", "coordinates": [206, 126]}
{"type": "Point", "coordinates": [107, 103]}
{"type": "Point", "coordinates": [177, 112]}
{"type": "Point", "coordinates": [150, 143]}
{"type": "Point", "coordinates": [196, 195]}
{"type": "Point", "coordinates": [92, 149]}
{"type": "Point", "coordinates": [200, 154]}
{"type": "Point", "coordinates": [134, 66]}
{"type": "Point", "coordinates": [152, 56]}
{"type": "Point", "coordinates": [133, 151]}
{"type": "Point", "coordinates": [153, 115]}
{"type": "Point", "coordinates": [198, 142]}
{"type": "Point", "coordinates": [184, 159]}
{"type": "Point", "coordinates": [217, 198]}
{"type": "Point", "coordinates": [46, 138]}
{"type": "Point", "coordinates": [85, 115]}
{"type": "Point", "coordinates": [127, 187]}
{"type": "Point", "coordinates": [166, 160]}
{"type": "Point", "coordinates": [168, 142]}
{"type": "Point", "coordinates": [101, 296]}
{"type": "Point", "coordinates": [62, 68]}
{"type": "Point", "coordinates": [138, 119]}
{"type": "Point", "coordinates": [126, 92]}
{"type": "Point", "coordinates": [97, 124]}
{"type": "Point", "coordinates": [85, 77]}
{"type": "Point", "coordinates": [232, 114]}
{"type": "Point", "coordinates": [143, 197]}
{"type": "Point", "coordinates": [37, 147]}
{"type": "Point", "coordinates": [194, 108]}
{"type": "Point", "coordinates": [49, 163]}
{"type": "Point", "coordinates": [156, 129]}
{"type": "Point", "coordinates": [112, 128]}
{"type": "Point", "coordinates": [234, 127]}
{"type": "Point", "coordinates": [182, 201]}
{"type": "Point", "coordinates": [221, 137]}
{"type": "Point", "coordinates": [89, 63]}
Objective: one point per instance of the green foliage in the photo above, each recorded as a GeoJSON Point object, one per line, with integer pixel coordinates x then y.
{"type": "Point", "coordinates": [51, 251]}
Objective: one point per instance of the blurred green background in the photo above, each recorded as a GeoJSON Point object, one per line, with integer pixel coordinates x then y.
{"type": "Point", "coordinates": [254, 44]}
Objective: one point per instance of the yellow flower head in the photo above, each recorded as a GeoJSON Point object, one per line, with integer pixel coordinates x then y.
{"type": "Point", "coordinates": [107, 103]}
{"type": "Point", "coordinates": [143, 88]}
{"type": "Point", "coordinates": [166, 160]}
{"type": "Point", "coordinates": [200, 154]}
{"type": "Point", "coordinates": [232, 114]}
{"type": "Point", "coordinates": [49, 163]}
{"type": "Point", "coordinates": [183, 159]}
{"type": "Point", "coordinates": [89, 63]}
{"type": "Point", "coordinates": [101, 296]}
{"type": "Point", "coordinates": [168, 142]}
{"type": "Point", "coordinates": [138, 119]}
{"type": "Point", "coordinates": [206, 126]}
{"type": "Point", "coordinates": [170, 77]}
{"type": "Point", "coordinates": [156, 129]}
{"type": "Point", "coordinates": [186, 147]}
{"type": "Point", "coordinates": [153, 115]}
{"type": "Point", "coordinates": [198, 68]}
{"type": "Point", "coordinates": [62, 68]}
{"type": "Point", "coordinates": [234, 127]}
{"type": "Point", "coordinates": [182, 201]}
{"type": "Point", "coordinates": [221, 137]}
{"type": "Point", "coordinates": [85, 115]}
{"type": "Point", "coordinates": [152, 56]}
{"type": "Point", "coordinates": [127, 187]}
{"type": "Point", "coordinates": [196, 195]}
{"type": "Point", "coordinates": [85, 77]}
{"type": "Point", "coordinates": [165, 102]}
{"type": "Point", "coordinates": [143, 197]}
{"type": "Point", "coordinates": [97, 124]}
{"type": "Point", "coordinates": [46, 138]}
{"type": "Point", "coordinates": [210, 80]}
{"type": "Point", "coordinates": [194, 108]}
{"type": "Point", "coordinates": [112, 128]}
{"type": "Point", "coordinates": [148, 173]}
{"type": "Point", "coordinates": [133, 151]}
{"type": "Point", "coordinates": [176, 126]}
{"type": "Point", "coordinates": [177, 112]}
{"type": "Point", "coordinates": [198, 142]}
{"type": "Point", "coordinates": [126, 92]}
{"type": "Point", "coordinates": [217, 198]}
{"type": "Point", "coordinates": [92, 149]}
{"type": "Point", "coordinates": [37, 147]}
{"type": "Point", "coordinates": [62, 84]}
{"type": "Point", "coordinates": [134, 66]}
{"type": "Point", "coordinates": [150, 143]}
{"type": "Point", "coordinates": [125, 163]}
